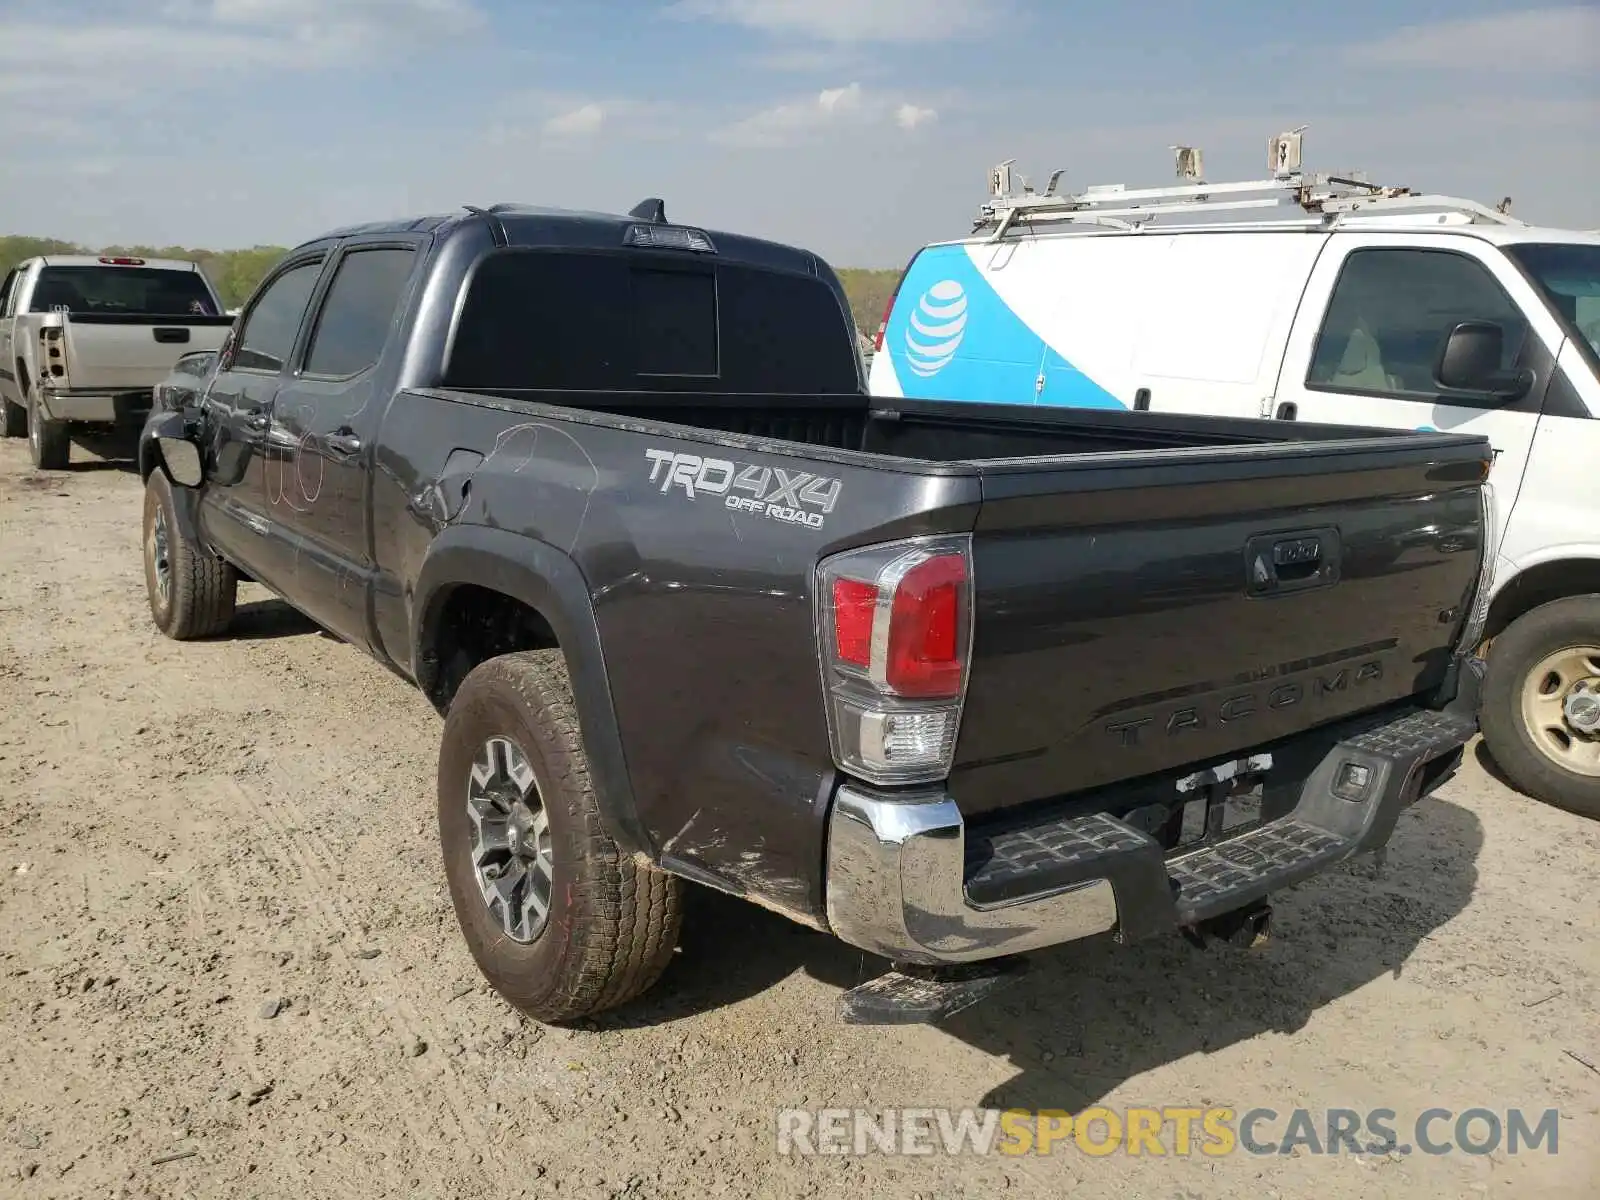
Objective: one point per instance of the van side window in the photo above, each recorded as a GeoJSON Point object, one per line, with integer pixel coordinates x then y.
{"type": "Point", "coordinates": [1389, 317]}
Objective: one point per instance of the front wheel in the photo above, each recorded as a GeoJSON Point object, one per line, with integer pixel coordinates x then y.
{"type": "Point", "coordinates": [1541, 704]}
{"type": "Point", "coordinates": [192, 593]}
{"type": "Point", "coordinates": [558, 919]}
{"type": "Point", "coordinates": [49, 445]}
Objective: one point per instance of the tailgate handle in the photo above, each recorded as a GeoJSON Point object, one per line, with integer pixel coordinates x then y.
{"type": "Point", "coordinates": [172, 337]}
{"type": "Point", "coordinates": [1276, 563]}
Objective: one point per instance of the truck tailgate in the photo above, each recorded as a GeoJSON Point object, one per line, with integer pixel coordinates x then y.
{"type": "Point", "coordinates": [134, 352]}
{"type": "Point", "coordinates": [1135, 613]}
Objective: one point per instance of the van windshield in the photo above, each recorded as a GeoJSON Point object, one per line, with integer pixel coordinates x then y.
{"type": "Point", "coordinates": [1569, 277]}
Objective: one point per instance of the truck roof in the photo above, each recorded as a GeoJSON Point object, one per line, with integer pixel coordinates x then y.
{"type": "Point", "coordinates": [531, 225]}
{"type": "Point", "coordinates": [123, 260]}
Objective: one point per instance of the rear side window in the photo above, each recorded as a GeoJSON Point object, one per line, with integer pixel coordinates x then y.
{"type": "Point", "coordinates": [594, 321]}
{"type": "Point", "coordinates": [359, 311]}
{"type": "Point", "coordinates": [144, 291]}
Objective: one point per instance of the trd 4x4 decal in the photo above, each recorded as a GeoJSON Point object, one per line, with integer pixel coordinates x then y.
{"type": "Point", "coordinates": [794, 497]}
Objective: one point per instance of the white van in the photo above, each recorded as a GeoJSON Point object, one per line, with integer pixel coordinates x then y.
{"type": "Point", "coordinates": [1315, 300]}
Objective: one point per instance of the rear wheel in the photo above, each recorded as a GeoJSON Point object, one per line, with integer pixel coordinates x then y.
{"type": "Point", "coordinates": [48, 444]}
{"type": "Point", "coordinates": [15, 423]}
{"type": "Point", "coordinates": [1541, 703]}
{"type": "Point", "coordinates": [559, 920]}
{"type": "Point", "coordinates": [192, 593]}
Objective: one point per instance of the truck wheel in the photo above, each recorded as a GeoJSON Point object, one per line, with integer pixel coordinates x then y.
{"type": "Point", "coordinates": [16, 419]}
{"type": "Point", "coordinates": [192, 593]}
{"type": "Point", "coordinates": [48, 444]}
{"type": "Point", "coordinates": [560, 921]}
{"type": "Point", "coordinates": [1541, 704]}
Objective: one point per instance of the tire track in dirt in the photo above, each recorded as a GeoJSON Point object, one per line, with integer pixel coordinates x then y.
{"type": "Point", "coordinates": [296, 847]}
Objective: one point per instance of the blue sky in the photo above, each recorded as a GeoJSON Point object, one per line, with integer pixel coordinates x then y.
{"type": "Point", "coordinates": [860, 128]}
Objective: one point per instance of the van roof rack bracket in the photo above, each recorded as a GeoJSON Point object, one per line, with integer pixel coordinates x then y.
{"type": "Point", "coordinates": [1321, 201]}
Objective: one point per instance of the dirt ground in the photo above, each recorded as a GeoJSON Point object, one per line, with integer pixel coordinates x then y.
{"type": "Point", "coordinates": [228, 965]}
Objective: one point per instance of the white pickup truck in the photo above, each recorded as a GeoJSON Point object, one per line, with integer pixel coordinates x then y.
{"type": "Point", "coordinates": [84, 339]}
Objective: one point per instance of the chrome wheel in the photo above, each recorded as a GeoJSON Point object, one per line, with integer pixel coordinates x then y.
{"type": "Point", "coordinates": [158, 548]}
{"type": "Point", "coordinates": [511, 844]}
{"type": "Point", "coordinates": [1561, 708]}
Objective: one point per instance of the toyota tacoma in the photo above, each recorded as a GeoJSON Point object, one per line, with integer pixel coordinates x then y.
{"type": "Point", "coordinates": [951, 682]}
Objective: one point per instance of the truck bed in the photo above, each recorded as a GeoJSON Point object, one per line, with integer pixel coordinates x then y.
{"type": "Point", "coordinates": [1116, 633]}
{"type": "Point", "coordinates": [934, 431]}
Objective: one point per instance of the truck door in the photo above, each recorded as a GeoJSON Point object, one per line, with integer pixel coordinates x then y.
{"type": "Point", "coordinates": [323, 423]}
{"type": "Point", "coordinates": [235, 409]}
{"type": "Point", "coordinates": [1375, 318]}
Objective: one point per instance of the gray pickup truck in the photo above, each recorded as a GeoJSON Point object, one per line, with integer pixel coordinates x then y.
{"type": "Point", "coordinates": [952, 682]}
{"type": "Point", "coordinates": [85, 339]}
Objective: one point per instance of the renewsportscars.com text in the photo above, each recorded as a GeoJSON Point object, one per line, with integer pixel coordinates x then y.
{"type": "Point", "coordinates": [1169, 1131]}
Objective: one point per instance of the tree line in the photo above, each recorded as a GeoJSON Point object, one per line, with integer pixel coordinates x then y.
{"type": "Point", "coordinates": [235, 273]}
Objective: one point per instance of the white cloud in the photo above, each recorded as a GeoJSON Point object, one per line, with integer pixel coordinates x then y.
{"type": "Point", "coordinates": [845, 20]}
{"type": "Point", "coordinates": [1536, 41]}
{"type": "Point", "coordinates": [583, 121]}
{"type": "Point", "coordinates": [909, 116]}
{"type": "Point", "coordinates": [851, 108]}
{"type": "Point", "coordinates": [840, 100]}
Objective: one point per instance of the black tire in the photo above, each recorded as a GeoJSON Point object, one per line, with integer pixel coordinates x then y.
{"type": "Point", "coordinates": [201, 588]}
{"type": "Point", "coordinates": [15, 424]}
{"type": "Point", "coordinates": [612, 924]}
{"type": "Point", "coordinates": [49, 446]}
{"type": "Point", "coordinates": [1514, 654]}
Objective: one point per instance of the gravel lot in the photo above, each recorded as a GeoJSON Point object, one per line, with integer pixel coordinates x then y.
{"type": "Point", "coordinates": [228, 965]}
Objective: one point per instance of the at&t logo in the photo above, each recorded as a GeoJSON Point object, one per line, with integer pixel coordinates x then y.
{"type": "Point", "coordinates": [937, 324]}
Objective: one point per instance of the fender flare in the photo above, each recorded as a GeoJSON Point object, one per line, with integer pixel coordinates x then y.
{"type": "Point", "coordinates": [185, 500]}
{"type": "Point", "coordinates": [551, 583]}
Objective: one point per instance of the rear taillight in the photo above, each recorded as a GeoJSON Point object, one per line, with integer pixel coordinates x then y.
{"type": "Point", "coordinates": [883, 323]}
{"type": "Point", "coordinates": [894, 626]}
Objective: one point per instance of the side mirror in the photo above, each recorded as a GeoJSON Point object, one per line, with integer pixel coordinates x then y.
{"type": "Point", "coordinates": [183, 460]}
{"type": "Point", "coordinates": [1470, 362]}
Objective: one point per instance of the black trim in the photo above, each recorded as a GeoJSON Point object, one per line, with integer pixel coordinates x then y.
{"type": "Point", "coordinates": [191, 320]}
{"type": "Point", "coordinates": [5, 374]}
{"type": "Point", "coordinates": [1561, 398]}
{"type": "Point", "coordinates": [551, 583]}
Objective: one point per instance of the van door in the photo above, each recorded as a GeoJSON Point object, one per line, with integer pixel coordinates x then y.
{"type": "Point", "coordinates": [1375, 318]}
{"type": "Point", "coordinates": [1215, 315]}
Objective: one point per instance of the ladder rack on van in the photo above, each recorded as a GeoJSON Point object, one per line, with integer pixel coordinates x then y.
{"type": "Point", "coordinates": [1317, 202]}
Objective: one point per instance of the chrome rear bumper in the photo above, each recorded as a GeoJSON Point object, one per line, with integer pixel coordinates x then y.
{"type": "Point", "coordinates": [901, 882]}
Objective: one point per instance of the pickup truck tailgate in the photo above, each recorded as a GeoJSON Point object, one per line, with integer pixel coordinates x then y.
{"type": "Point", "coordinates": [131, 352]}
{"type": "Point", "coordinates": [1136, 613]}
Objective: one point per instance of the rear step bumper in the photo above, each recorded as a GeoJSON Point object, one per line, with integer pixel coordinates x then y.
{"type": "Point", "coordinates": [899, 883]}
